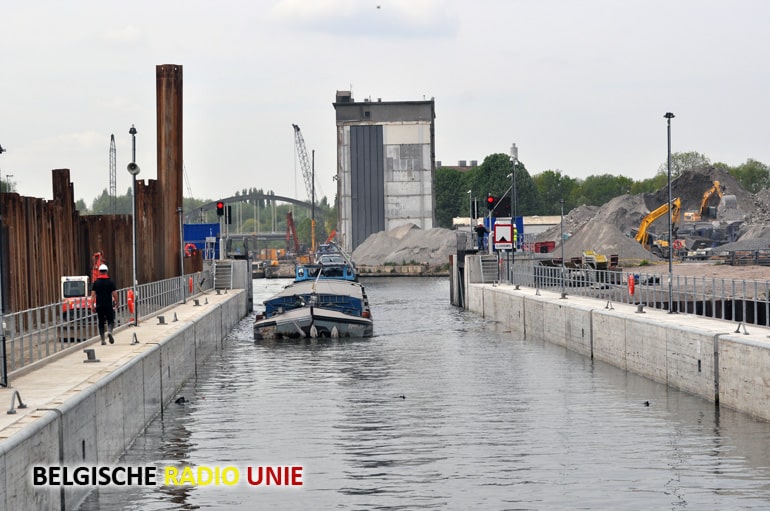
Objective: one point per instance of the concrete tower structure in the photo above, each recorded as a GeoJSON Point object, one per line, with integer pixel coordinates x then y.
{"type": "Point", "coordinates": [385, 166]}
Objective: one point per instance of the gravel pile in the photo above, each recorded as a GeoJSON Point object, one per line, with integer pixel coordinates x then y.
{"type": "Point", "coordinates": [604, 229]}
{"type": "Point", "coordinates": [607, 229]}
{"type": "Point", "coordinates": [407, 244]}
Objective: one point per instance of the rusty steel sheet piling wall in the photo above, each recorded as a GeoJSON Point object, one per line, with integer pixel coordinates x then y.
{"type": "Point", "coordinates": [45, 240]}
{"type": "Point", "coordinates": [169, 133]}
{"type": "Point", "coordinates": [50, 239]}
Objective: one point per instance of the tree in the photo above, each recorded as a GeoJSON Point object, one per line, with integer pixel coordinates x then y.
{"type": "Point", "coordinates": [7, 186]}
{"type": "Point", "coordinates": [596, 190]}
{"type": "Point", "coordinates": [101, 204]}
{"type": "Point", "coordinates": [451, 196]}
{"type": "Point", "coordinates": [650, 185]}
{"type": "Point", "coordinates": [752, 175]}
{"type": "Point", "coordinates": [492, 176]}
{"type": "Point", "coordinates": [681, 162]}
{"type": "Point", "coordinates": [525, 199]}
{"type": "Point", "coordinates": [552, 186]}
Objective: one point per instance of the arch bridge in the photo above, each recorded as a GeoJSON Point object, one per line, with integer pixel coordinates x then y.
{"type": "Point", "coordinates": [191, 214]}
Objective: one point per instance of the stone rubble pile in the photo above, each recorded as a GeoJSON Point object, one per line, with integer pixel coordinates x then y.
{"type": "Point", "coordinates": [605, 230]}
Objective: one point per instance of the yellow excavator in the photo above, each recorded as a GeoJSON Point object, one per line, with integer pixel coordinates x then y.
{"type": "Point", "coordinates": [697, 216]}
{"type": "Point", "coordinates": [658, 247]}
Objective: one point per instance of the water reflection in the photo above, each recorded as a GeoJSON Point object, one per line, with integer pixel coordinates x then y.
{"type": "Point", "coordinates": [440, 411]}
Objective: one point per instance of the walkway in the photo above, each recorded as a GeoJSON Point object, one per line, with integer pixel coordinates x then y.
{"type": "Point", "coordinates": [51, 382]}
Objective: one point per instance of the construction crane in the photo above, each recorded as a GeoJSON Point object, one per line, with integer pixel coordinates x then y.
{"type": "Point", "coordinates": [308, 173]}
{"type": "Point", "coordinates": [113, 185]}
{"type": "Point", "coordinates": [299, 144]}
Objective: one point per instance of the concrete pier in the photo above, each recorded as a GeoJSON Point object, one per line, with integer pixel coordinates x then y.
{"type": "Point", "coordinates": [86, 413]}
{"type": "Point", "coordinates": [721, 361]}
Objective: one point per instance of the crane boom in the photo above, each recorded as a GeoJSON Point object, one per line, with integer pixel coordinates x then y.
{"type": "Point", "coordinates": [292, 241]}
{"type": "Point", "coordinates": [299, 143]}
{"type": "Point", "coordinates": [642, 235]}
{"type": "Point", "coordinates": [716, 189]}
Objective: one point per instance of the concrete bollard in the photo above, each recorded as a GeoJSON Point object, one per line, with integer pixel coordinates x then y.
{"type": "Point", "coordinates": [91, 355]}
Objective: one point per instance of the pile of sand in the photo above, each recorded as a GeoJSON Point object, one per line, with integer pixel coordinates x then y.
{"type": "Point", "coordinates": [407, 244]}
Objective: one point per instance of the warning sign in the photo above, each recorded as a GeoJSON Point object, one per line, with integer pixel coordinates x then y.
{"type": "Point", "coordinates": [503, 236]}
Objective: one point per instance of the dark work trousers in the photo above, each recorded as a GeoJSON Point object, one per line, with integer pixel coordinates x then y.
{"type": "Point", "coordinates": [105, 315]}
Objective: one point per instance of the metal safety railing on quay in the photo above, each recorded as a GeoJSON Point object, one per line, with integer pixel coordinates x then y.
{"type": "Point", "coordinates": [744, 301]}
{"type": "Point", "coordinates": [34, 334]}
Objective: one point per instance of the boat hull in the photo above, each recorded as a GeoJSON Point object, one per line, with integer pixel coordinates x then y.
{"type": "Point", "coordinates": [312, 322]}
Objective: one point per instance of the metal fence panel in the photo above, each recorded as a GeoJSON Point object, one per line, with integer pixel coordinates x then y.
{"type": "Point", "coordinates": [34, 334]}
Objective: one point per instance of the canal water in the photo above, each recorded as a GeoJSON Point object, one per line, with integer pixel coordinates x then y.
{"type": "Point", "coordinates": [443, 410]}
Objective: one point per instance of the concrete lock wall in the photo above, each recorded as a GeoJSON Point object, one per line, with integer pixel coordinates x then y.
{"type": "Point", "coordinates": [100, 422]}
{"type": "Point", "coordinates": [694, 354]}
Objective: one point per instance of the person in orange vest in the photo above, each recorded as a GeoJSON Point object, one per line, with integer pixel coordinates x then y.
{"type": "Point", "coordinates": [104, 297]}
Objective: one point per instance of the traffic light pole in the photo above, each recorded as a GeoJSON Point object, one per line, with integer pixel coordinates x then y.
{"type": "Point", "coordinates": [220, 216]}
{"type": "Point", "coordinates": [490, 237]}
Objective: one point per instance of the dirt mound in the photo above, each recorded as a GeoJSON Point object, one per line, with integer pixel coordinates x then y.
{"type": "Point", "coordinates": [407, 244]}
{"type": "Point", "coordinates": [607, 229]}
{"type": "Point", "coordinates": [602, 229]}
{"type": "Point", "coordinates": [691, 185]}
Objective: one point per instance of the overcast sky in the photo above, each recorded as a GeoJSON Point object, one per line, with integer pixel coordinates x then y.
{"type": "Point", "coordinates": [579, 86]}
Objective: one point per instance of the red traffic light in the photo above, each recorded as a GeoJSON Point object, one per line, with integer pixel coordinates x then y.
{"type": "Point", "coordinates": [491, 200]}
{"type": "Point", "coordinates": [220, 208]}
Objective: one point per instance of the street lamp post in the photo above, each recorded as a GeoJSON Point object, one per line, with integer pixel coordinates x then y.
{"type": "Point", "coordinates": [561, 229]}
{"type": "Point", "coordinates": [514, 195]}
{"type": "Point", "coordinates": [490, 238]}
{"type": "Point", "coordinates": [4, 368]}
{"type": "Point", "coordinates": [513, 223]}
{"type": "Point", "coordinates": [133, 169]}
{"type": "Point", "coordinates": [470, 213]}
{"type": "Point", "coordinates": [470, 210]}
{"type": "Point", "coordinates": [668, 116]}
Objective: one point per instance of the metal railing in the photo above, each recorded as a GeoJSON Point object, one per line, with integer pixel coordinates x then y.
{"type": "Point", "coordinates": [745, 301]}
{"type": "Point", "coordinates": [34, 334]}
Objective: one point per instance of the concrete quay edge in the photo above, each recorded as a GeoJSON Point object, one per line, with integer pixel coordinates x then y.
{"type": "Point", "coordinates": [719, 360]}
{"type": "Point", "coordinates": [69, 374]}
{"type": "Point", "coordinates": [80, 413]}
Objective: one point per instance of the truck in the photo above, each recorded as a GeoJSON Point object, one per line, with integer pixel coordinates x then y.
{"type": "Point", "coordinates": [75, 293]}
{"type": "Point", "coordinates": [78, 321]}
{"type": "Point", "coordinates": [76, 315]}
